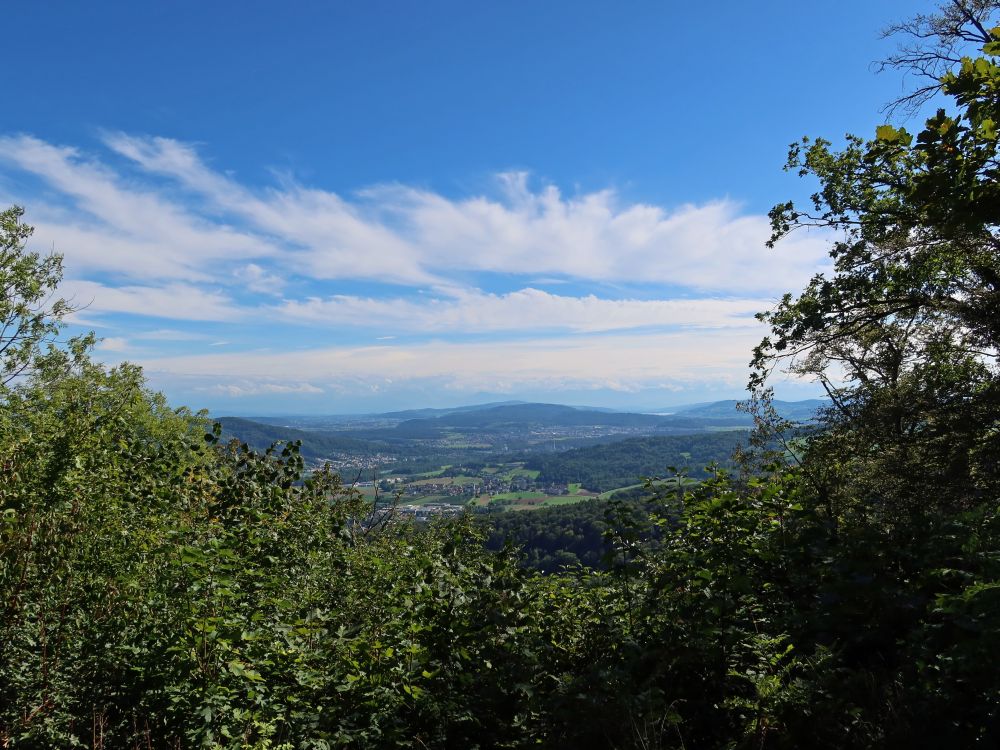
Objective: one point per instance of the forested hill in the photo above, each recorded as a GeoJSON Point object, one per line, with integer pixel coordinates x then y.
{"type": "Point", "coordinates": [540, 416]}
{"type": "Point", "coordinates": [605, 467]}
{"type": "Point", "coordinates": [497, 417]}
{"type": "Point", "coordinates": [315, 445]}
{"type": "Point", "coordinates": [794, 411]}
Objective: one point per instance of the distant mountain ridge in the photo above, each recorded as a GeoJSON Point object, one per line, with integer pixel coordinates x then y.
{"type": "Point", "coordinates": [521, 425]}
{"type": "Point", "coordinates": [430, 413]}
{"type": "Point", "coordinates": [796, 411]}
{"type": "Point", "coordinates": [542, 414]}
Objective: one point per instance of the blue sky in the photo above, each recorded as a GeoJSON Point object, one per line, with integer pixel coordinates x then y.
{"type": "Point", "coordinates": [318, 207]}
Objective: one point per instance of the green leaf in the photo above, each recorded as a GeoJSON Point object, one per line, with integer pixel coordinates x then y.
{"type": "Point", "coordinates": [887, 133]}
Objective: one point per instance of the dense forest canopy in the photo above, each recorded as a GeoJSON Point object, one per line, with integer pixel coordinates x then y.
{"type": "Point", "coordinates": [606, 467]}
{"type": "Point", "coordinates": [162, 588]}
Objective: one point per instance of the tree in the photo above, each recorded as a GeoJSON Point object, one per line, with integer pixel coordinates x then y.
{"type": "Point", "coordinates": [933, 45]}
{"type": "Point", "coordinates": [904, 475]}
{"type": "Point", "coordinates": [30, 312]}
{"type": "Point", "coordinates": [904, 335]}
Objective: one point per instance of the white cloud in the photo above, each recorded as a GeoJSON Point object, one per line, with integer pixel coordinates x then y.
{"type": "Point", "coordinates": [206, 226]}
{"type": "Point", "coordinates": [106, 222]}
{"type": "Point", "coordinates": [256, 279]}
{"type": "Point", "coordinates": [402, 234]}
{"type": "Point", "coordinates": [596, 361]}
{"type": "Point", "coordinates": [175, 301]}
{"type": "Point", "coordinates": [474, 311]}
{"type": "Point", "coordinates": [594, 236]}
{"type": "Point", "coordinates": [113, 344]}
{"type": "Point", "coordinates": [249, 388]}
{"type": "Point", "coordinates": [131, 224]}
{"type": "Point", "coordinates": [331, 237]}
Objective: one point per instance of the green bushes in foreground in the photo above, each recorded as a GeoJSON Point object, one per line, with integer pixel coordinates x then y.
{"type": "Point", "coordinates": [160, 590]}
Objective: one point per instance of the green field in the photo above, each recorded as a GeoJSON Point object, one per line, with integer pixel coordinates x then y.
{"type": "Point", "coordinates": [520, 496]}
{"type": "Point", "coordinates": [535, 500]}
{"type": "Point", "coordinates": [609, 493]}
{"type": "Point", "coordinates": [517, 500]}
{"type": "Point", "coordinates": [672, 483]}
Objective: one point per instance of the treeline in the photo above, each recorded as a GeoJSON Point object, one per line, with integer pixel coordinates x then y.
{"type": "Point", "coordinates": [605, 467]}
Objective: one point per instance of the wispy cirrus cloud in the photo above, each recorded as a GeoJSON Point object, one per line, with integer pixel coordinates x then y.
{"type": "Point", "coordinates": [130, 224]}
{"type": "Point", "coordinates": [400, 233]}
{"type": "Point", "coordinates": [170, 334]}
{"type": "Point", "coordinates": [465, 311]}
{"type": "Point", "coordinates": [244, 388]}
{"type": "Point", "coordinates": [105, 221]}
{"type": "Point", "coordinates": [173, 300]}
{"type": "Point", "coordinates": [329, 236]}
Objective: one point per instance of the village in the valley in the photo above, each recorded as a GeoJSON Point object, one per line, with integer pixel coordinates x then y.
{"type": "Point", "coordinates": [449, 490]}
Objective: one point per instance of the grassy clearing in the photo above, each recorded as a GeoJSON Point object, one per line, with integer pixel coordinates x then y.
{"type": "Point", "coordinates": [669, 483]}
{"type": "Point", "coordinates": [520, 496]}
{"type": "Point", "coordinates": [609, 493]}
{"type": "Point", "coordinates": [529, 473]}
{"type": "Point", "coordinates": [536, 500]}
